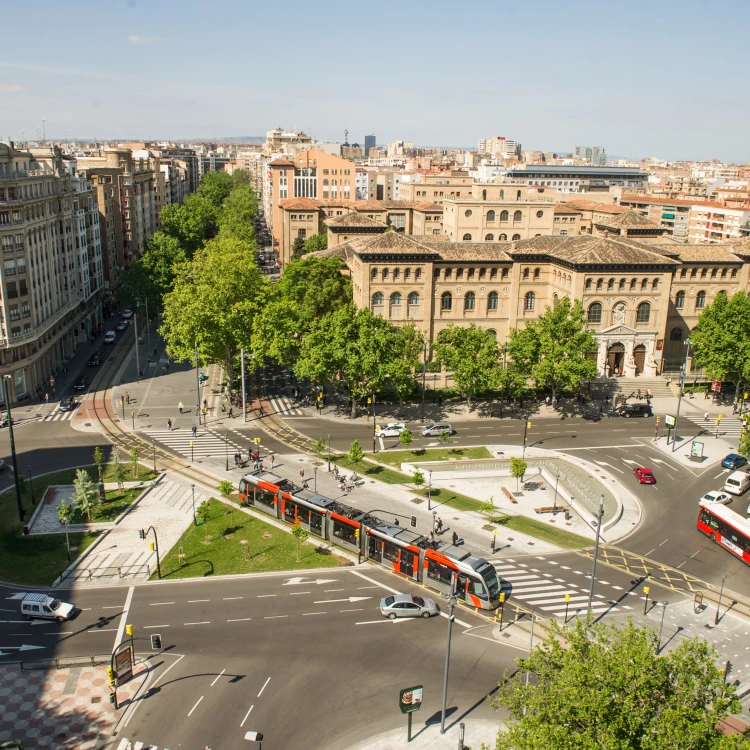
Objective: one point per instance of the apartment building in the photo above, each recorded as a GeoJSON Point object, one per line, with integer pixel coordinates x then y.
{"type": "Point", "coordinates": [420, 187]}
{"type": "Point", "coordinates": [672, 214]}
{"type": "Point", "coordinates": [499, 147]}
{"type": "Point", "coordinates": [715, 222]}
{"type": "Point", "coordinates": [280, 141]}
{"type": "Point", "coordinates": [51, 279]}
{"type": "Point", "coordinates": [596, 155]}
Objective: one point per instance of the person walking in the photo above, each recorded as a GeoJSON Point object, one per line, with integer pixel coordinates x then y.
{"type": "Point", "coordinates": [231, 413]}
{"type": "Point", "coordinates": [180, 407]}
{"type": "Point", "coordinates": [395, 522]}
{"type": "Point", "coordinates": [439, 524]}
{"type": "Point", "coordinates": [432, 539]}
{"type": "Point", "coordinates": [455, 538]}
{"type": "Point", "coordinates": [195, 431]}
{"type": "Point", "coordinates": [273, 459]}
{"type": "Point", "coordinates": [169, 424]}
{"type": "Point", "coordinates": [127, 398]}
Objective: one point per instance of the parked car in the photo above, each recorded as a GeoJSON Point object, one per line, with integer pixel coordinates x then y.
{"type": "Point", "coordinates": [406, 605]}
{"type": "Point", "coordinates": [95, 359]}
{"type": "Point", "coordinates": [733, 461]}
{"type": "Point", "coordinates": [122, 325]}
{"type": "Point", "coordinates": [644, 475]}
{"type": "Point", "coordinates": [439, 428]}
{"type": "Point", "coordinates": [392, 429]}
{"type": "Point", "coordinates": [44, 607]}
{"type": "Point", "coordinates": [636, 410]}
{"type": "Point", "coordinates": [127, 314]}
{"type": "Point", "coordinates": [81, 383]}
{"type": "Point", "coordinates": [109, 337]}
{"type": "Point", "coordinates": [68, 404]}
{"type": "Point", "coordinates": [714, 497]}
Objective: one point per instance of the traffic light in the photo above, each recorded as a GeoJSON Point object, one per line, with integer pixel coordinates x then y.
{"type": "Point", "coordinates": [567, 598]}
{"type": "Point", "coordinates": [111, 676]}
{"type": "Point", "coordinates": [414, 522]}
{"type": "Point", "coordinates": [151, 546]}
{"type": "Point", "coordinates": [129, 630]}
{"type": "Point", "coordinates": [658, 419]}
{"type": "Point", "coordinates": [356, 533]}
{"type": "Point", "coordinates": [156, 642]}
{"type": "Point", "coordinates": [502, 597]}
{"type": "Point", "coordinates": [141, 534]}
{"type": "Point", "coordinates": [528, 425]}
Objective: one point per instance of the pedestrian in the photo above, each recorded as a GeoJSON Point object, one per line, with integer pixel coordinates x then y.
{"type": "Point", "coordinates": [195, 431]}
{"type": "Point", "coordinates": [302, 474]}
{"type": "Point", "coordinates": [440, 525]}
{"type": "Point", "coordinates": [440, 399]}
{"type": "Point", "coordinates": [639, 394]}
{"type": "Point", "coordinates": [260, 467]}
{"type": "Point", "coordinates": [260, 410]}
{"type": "Point", "coordinates": [432, 539]}
{"type": "Point", "coordinates": [231, 415]}
{"type": "Point", "coordinates": [395, 522]}
{"type": "Point", "coordinates": [223, 408]}
{"type": "Point", "coordinates": [169, 424]}
{"type": "Point", "coordinates": [705, 417]}
{"type": "Point", "coordinates": [180, 407]}
{"type": "Point", "coordinates": [454, 539]}
{"type": "Point", "coordinates": [273, 459]}
{"type": "Point", "coordinates": [127, 397]}
{"type": "Point", "coordinates": [205, 403]}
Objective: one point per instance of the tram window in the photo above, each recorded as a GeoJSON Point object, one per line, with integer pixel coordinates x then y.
{"type": "Point", "coordinates": [344, 532]}
{"type": "Point", "coordinates": [390, 552]}
{"type": "Point", "coordinates": [250, 496]}
{"type": "Point", "coordinates": [477, 588]}
{"type": "Point", "coordinates": [265, 498]}
{"type": "Point", "coordinates": [316, 523]}
{"type": "Point", "coordinates": [289, 511]}
{"type": "Point", "coordinates": [439, 572]}
{"type": "Point", "coordinates": [303, 515]}
{"type": "Point", "coordinates": [374, 549]}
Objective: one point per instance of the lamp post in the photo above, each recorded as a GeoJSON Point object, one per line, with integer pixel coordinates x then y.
{"type": "Point", "coordinates": [424, 374]}
{"type": "Point", "coordinates": [374, 450]}
{"type": "Point", "coordinates": [329, 454]}
{"type": "Point", "coordinates": [596, 550]}
{"type": "Point", "coordinates": [661, 629]}
{"type": "Point", "coordinates": [718, 605]}
{"type": "Point", "coordinates": [197, 383]}
{"type": "Point", "coordinates": [683, 373]}
{"type": "Point", "coordinates": [148, 333]}
{"type": "Point", "coordinates": [135, 328]}
{"type": "Point", "coordinates": [226, 451]}
{"type": "Point", "coordinates": [315, 478]}
{"type": "Point", "coordinates": [153, 445]}
{"type": "Point", "coordinates": [19, 501]}
{"type": "Point", "coordinates": [429, 490]}
{"type": "Point", "coordinates": [31, 486]}
{"type": "Point", "coordinates": [195, 520]}
{"type": "Point", "coordinates": [557, 479]}
{"type": "Point", "coordinates": [451, 605]}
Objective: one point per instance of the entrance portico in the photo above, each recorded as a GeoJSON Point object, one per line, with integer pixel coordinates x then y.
{"type": "Point", "coordinates": [624, 350]}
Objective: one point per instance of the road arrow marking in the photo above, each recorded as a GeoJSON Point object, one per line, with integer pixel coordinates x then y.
{"type": "Point", "coordinates": [298, 581]}
{"type": "Point", "coordinates": [17, 596]}
{"type": "Point", "coordinates": [604, 463]}
{"type": "Point", "coordinates": [386, 621]}
{"type": "Point", "coordinates": [349, 599]}
{"type": "Point", "coordinates": [19, 648]}
{"type": "Point", "coordinates": [629, 461]}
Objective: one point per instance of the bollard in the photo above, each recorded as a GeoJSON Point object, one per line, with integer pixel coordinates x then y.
{"type": "Point", "coordinates": [461, 730]}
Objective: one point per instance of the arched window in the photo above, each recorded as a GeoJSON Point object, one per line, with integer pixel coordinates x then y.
{"type": "Point", "coordinates": [396, 298]}
{"type": "Point", "coordinates": [413, 299]}
{"type": "Point", "coordinates": [459, 273]}
{"type": "Point", "coordinates": [489, 237]}
{"type": "Point", "coordinates": [482, 273]}
{"type": "Point", "coordinates": [503, 238]}
{"type": "Point", "coordinates": [492, 333]}
{"type": "Point", "coordinates": [448, 273]}
{"type": "Point", "coordinates": [516, 237]}
{"type": "Point", "coordinates": [719, 293]}
{"type": "Point", "coordinates": [643, 313]}
{"type": "Point", "coordinates": [325, 182]}
{"type": "Point", "coordinates": [610, 285]}
{"type": "Point", "coordinates": [377, 300]}
{"type": "Point", "coordinates": [599, 285]}
{"type": "Point", "coordinates": [446, 301]}
{"type": "Point", "coordinates": [704, 273]}
{"type": "Point", "coordinates": [505, 273]}
{"type": "Point", "coordinates": [588, 285]}
{"type": "Point", "coordinates": [396, 274]}
{"type": "Point", "coordinates": [537, 273]}
{"type": "Point", "coordinates": [503, 216]}
{"type": "Point", "coordinates": [644, 285]}
{"type": "Point", "coordinates": [492, 301]}
{"type": "Point", "coordinates": [407, 274]}
{"type": "Point", "coordinates": [384, 274]}
{"type": "Point", "coordinates": [679, 300]}
{"type": "Point", "coordinates": [595, 312]}
{"type": "Point", "coordinates": [723, 273]}
{"type": "Point", "coordinates": [517, 216]}
{"type": "Point", "coordinates": [526, 273]}
{"type": "Point", "coordinates": [700, 300]}
{"type": "Point", "coordinates": [418, 273]}
{"type": "Point", "coordinates": [683, 273]}
{"type": "Point", "coordinates": [714, 271]}
{"type": "Point", "coordinates": [655, 284]}
{"type": "Point", "coordinates": [622, 284]}
{"type": "Point", "coordinates": [633, 284]}
{"type": "Point", "coordinates": [467, 237]}
{"type": "Point", "coordinates": [675, 334]}
{"type": "Point", "coordinates": [529, 301]}
{"type": "Point", "coordinates": [490, 215]}
{"type": "Point", "coordinates": [374, 274]}
{"type": "Point", "coordinates": [469, 301]}
{"type": "Point", "coordinates": [493, 273]}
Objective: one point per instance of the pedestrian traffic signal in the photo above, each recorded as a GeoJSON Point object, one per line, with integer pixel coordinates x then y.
{"type": "Point", "coordinates": [719, 418]}
{"type": "Point", "coordinates": [528, 425]}
{"type": "Point", "coordinates": [129, 630]}
{"type": "Point", "coordinates": [646, 589]}
{"type": "Point", "coordinates": [156, 642]}
{"type": "Point", "coordinates": [356, 533]}
{"type": "Point", "coordinates": [414, 521]}
{"type": "Point", "coordinates": [567, 598]}
{"type": "Point", "coordinates": [502, 597]}
{"type": "Point", "coordinates": [151, 546]}
{"type": "Point", "coordinates": [256, 440]}
{"type": "Point", "coordinates": [658, 419]}
{"type": "Point", "coordinates": [141, 534]}
{"type": "Point", "coordinates": [111, 676]}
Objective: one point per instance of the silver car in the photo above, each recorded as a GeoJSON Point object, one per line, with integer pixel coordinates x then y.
{"type": "Point", "coordinates": [439, 428]}
{"type": "Point", "coordinates": [406, 605]}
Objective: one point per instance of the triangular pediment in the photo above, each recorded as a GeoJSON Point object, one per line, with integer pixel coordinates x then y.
{"type": "Point", "coordinates": [618, 330]}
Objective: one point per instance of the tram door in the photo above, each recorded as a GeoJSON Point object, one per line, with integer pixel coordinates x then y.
{"type": "Point", "coordinates": [375, 549]}
{"type": "Point", "coordinates": [462, 586]}
{"type": "Point", "coordinates": [407, 563]}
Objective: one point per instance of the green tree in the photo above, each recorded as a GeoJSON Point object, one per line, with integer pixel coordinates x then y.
{"type": "Point", "coordinates": [518, 469]}
{"type": "Point", "coordinates": [417, 478]}
{"type": "Point", "coordinates": [118, 470]}
{"type": "Point", "coordinates": [445, 438]}
{"type": "Point", "coordinates": [216, 187]}
{"type": "Point", "coordinates": [410, 344]}
{"type": "Point", "coordinates": [214, 302]}
{"type": "Point", "coordinates": [721, 341]}
{"type": "Point", "coordinates": [134, 461]}
{"type": "Point", "coordinates": [298, 248]}
{"type": "Point", "coordinates": [189, 221]}
{"type": "Point", "coordinates": [320, 445]}
{"type": "Point", "coordinates": [405, 437]}
{"type": "Point", "coordinates": [554, 349]}
{"type": "Point", "coordinates": [472, 355]}
{"type": "Point", "coordinates": [204, 513]}
{"type": "Point", "coordinates": [300, 534]}
{"type": "Point", "coordinates": [315, 243]}
{"type": "Point", "coordinates": [99, 460]}
{"type": "Point", "coordinates": [356, 454]}
{"type": "Point", "coordinates": [240, 177]}
{"type": "Point", "coordinates": [225, 488]}
{"type": "Point", "coordinates": [604, 686]}
{"type": "Point", "coordinates": [65, 514]}
{"type": "Point", "coordinates": [86, 498]}
{"type": "Point", "coordinates": [238, 214]}
{"type": "Point", "coordinates": [744, 446]}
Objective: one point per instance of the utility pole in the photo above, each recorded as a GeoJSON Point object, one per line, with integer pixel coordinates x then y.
{"type": "Point", "coordinates": [424, 375]}
{"type": "Point", "coordinates": [451, 605]}
{"type": "Point", "coordinates": [197, 383]}
{"type": "Point", "coordinates": [244, 396]}
{"type": "Point", "coordinates": [135, 327]}
{"type": "Point", "coordinates": [19, 500]}
{"type": "Point", "coordinates": [596, 550]}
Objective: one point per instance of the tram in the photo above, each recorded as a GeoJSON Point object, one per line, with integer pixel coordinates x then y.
{"type": "Point", "coordinates": [395, 547]}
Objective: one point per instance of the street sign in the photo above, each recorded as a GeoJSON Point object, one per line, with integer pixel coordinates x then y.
{"type": "Point", "coordinates": [123, 664]}
{"type": "Point", "coordinates": [669, 420]}
{"type": "Point", "coordinates": [716, 385]}
{"type": "Point", "coordinates": [410, 699]}
{"type": "Point", "coordinates": [696, 451]}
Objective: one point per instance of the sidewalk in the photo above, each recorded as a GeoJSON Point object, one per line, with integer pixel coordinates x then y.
{"type": "Point", "coordinates": [425, 736]}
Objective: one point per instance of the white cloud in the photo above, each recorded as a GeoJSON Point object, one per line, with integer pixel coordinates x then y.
{"type": "Point", "coordinates": [146, 39]}
{"type": "Point", "coordinates": [11, 88]}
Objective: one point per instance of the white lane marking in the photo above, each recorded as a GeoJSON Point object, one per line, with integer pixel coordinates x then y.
{"type": "Point", "coordinates": [298, 593]}
{"type": "Point", "coordinates": [305, 614]}
{"type": "Point", "coordinates": [195, 706]}
{"type": "Point", "coordinates": [372, 580]}
{"type": "Point", "coordinates": [264, 687]}
{"type": "Point", "coordinates": [720, 475]}
{"type": "Point", "coordinates": [230, 598]}
{"type": "Point", "coordinates": [129, 714]}
{"type": "Point", "coordinates": [359, 588]}
{"type": "Point", "coordinates": [350, 599]}
{"type": "Point", "coordinates": [264, 596]}
{"type": "Point", "coordinates": [604, 463]}
{"type": "Point", "coordinates": [391, 622]}
{"type": "Point", "coordinates": [148, 627]}
{"type": "Point", "coordinates": [159, 604]}
{"type": "Point", "coordinates": [275, 617]}
{"type": "Point", "coordinates": [325, 591]}
{"type": "Point", "coordinates": [455, 619]}
{"type": "Point", "coordinates": [361, 609]}
{"type": "Point", "coordinates": [117, 607]}
{"type": "Point", "coordinates": [123, 620]}
{"type": "Point", "coordinates": [204, 622]}
{"type": "Point", "coordinates": [240, 619]}
{"type": "Point", "coordinates": [246, 715]}
{"type": "Point", "coordinates": [217, 677]}
{"type": "Point", "coordinates": [195, 601]}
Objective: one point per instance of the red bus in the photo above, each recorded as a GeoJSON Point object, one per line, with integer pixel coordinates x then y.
{"type": "Point", "coordinates": [727, 528]}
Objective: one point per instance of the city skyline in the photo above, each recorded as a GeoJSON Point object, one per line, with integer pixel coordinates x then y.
{"type": "Point", "coordinates": [150, 72]}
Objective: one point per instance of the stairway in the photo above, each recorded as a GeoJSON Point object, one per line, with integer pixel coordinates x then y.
{"type": "Point", "coordinates": [657, 387]}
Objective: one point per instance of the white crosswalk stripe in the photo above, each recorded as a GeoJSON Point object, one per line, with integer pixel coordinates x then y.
{"type": "Point", "coordinates": [730, 426]}
{"type": "Point", "coordinates": [541, 591]}
{"type": "Point", "coordinates": [56, 415]}
{"type": "Point", "coordinates": [206, 443]}
{"type": "Point", "coordinates": [284, 407]}
{"type": "Point", "coordinates": [129, 745]}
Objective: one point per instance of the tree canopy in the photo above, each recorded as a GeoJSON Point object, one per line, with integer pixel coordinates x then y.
{"type": "Point", "coordinates": [190, 221]}
{"type": "Point", "coordinates": [721, 341]}
{"type": "Point", "coordinates": [596, 686]}
{"type": "Point", "coordinates": [554, 349]}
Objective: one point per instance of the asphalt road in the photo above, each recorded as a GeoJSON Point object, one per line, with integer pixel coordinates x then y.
{"type": "Point", "coordinates": [307, 660]}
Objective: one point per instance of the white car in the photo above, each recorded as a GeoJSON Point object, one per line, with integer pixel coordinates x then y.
{"type": "Point", "coordinates": [109, 337]}
{"type": "Point", "coordinates": [392, 429]}
{"type": "Point", "coordinates": [715, 498]}
{"type": "Point", "coordinates": [127, 314]}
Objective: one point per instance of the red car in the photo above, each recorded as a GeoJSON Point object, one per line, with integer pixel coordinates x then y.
{"type": "Point", "coordinates": [644, 475]}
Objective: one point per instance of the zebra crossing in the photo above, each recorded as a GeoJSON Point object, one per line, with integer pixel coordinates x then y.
{"type": "Point", "coordinates": [546, 592]}
{"type": "Point", "coordinates": [57, 415]}
{"type": "Point", "coordinates": [728, 427]}
{"type": "Point", "coordinates": [206, 443]}
{"type": "Point", "coordinates": [284, 407]}
{"type": "Point", "coordinates": [128, 745]}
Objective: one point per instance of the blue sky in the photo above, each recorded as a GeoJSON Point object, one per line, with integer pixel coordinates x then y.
{"type": "Point", "coordinates": [641, 78]}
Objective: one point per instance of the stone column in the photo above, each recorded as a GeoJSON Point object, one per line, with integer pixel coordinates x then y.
{"type": "Point", "coordinates": [628, 367]}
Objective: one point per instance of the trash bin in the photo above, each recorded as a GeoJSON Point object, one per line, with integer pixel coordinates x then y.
{"type": "Point", "coordinates": [26, 530]}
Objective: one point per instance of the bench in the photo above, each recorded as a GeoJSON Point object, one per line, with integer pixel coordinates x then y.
{"type": "Point", "coordinates": [509, 495]}
{"type": "Point", "coordinates": [549, 509]}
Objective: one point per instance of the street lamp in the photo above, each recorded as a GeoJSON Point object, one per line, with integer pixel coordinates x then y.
{"type": "Point", "coordinates": [424, 374]}
{"type": "Point", "coordinates": [451, 606]}
{"type": "Point", "coordinates": [683, 373]}
{"type": "Point", "coordinates": [198, 383]}
{"type": "Point", "coordinates": [315, 478]}
{"type": "Point", "coordinates": [718, 605]}
{"type": "Point", "coordinates": [661, 629]}
{"type": "Point", "coordinates": [195, 520]}
{"type": "Point", "coordinates": [429, 489]}
{"type": "Point", "coordinates": [19, 501]}
{"type": "Point", "coordinates": [31, 485]}
{"type": "Point", "coordinates": [557, 479]}
{"type": "Point", "coordinates": [329, 454]}
{"type": "Point", "coordinates": [598, 523]}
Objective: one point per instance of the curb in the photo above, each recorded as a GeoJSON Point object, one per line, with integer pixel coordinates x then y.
{"type": "Point", "coordinates": [76, 563]}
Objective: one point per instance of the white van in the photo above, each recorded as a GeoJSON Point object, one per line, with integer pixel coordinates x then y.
{"type": "Point", "coordinates": [737, 482]}
{"type": "Point", "coordinates": [46, 608]}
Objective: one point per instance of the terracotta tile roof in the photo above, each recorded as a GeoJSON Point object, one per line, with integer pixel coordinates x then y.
{"type": "Point", "coordinates": [681, 202]}
{"type": "Point", "coordinates": [390, 243]}
{"type": "Point", "coordinates": [281, 163]}
{"type": "Point", "coordinates": [604, 208]}
{"type": "Point", "coordinates": [472, 250]}
{"type": "Point", "coordinates": [566, 208]}
{"type": "Point", "coordinates": [629, 220]}
{"type": "Point", "coordinates": [375, 205]}
{"type": "Point", "coordinates": [354, 219]}
{"type": "Point", "coordinates": [310, 204]}
{"type": "Point", "coordinates": [431, 207]}
{"type": "Point", "coordinates": [699, 253]}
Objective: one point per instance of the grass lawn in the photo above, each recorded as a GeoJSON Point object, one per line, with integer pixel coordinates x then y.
{"type": "Point", "coordinates": [366, 469]}
{"type": "Point", "coordinates": [396, 458]}
{"type": "Point", "coordinates": [546, 532]}
{"type": "Point", "coordinates": [267, 548]}
{"type": "Point", "coordinates": [114, 503]}
{"type": "Point", "coordinates": [451, 499]}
